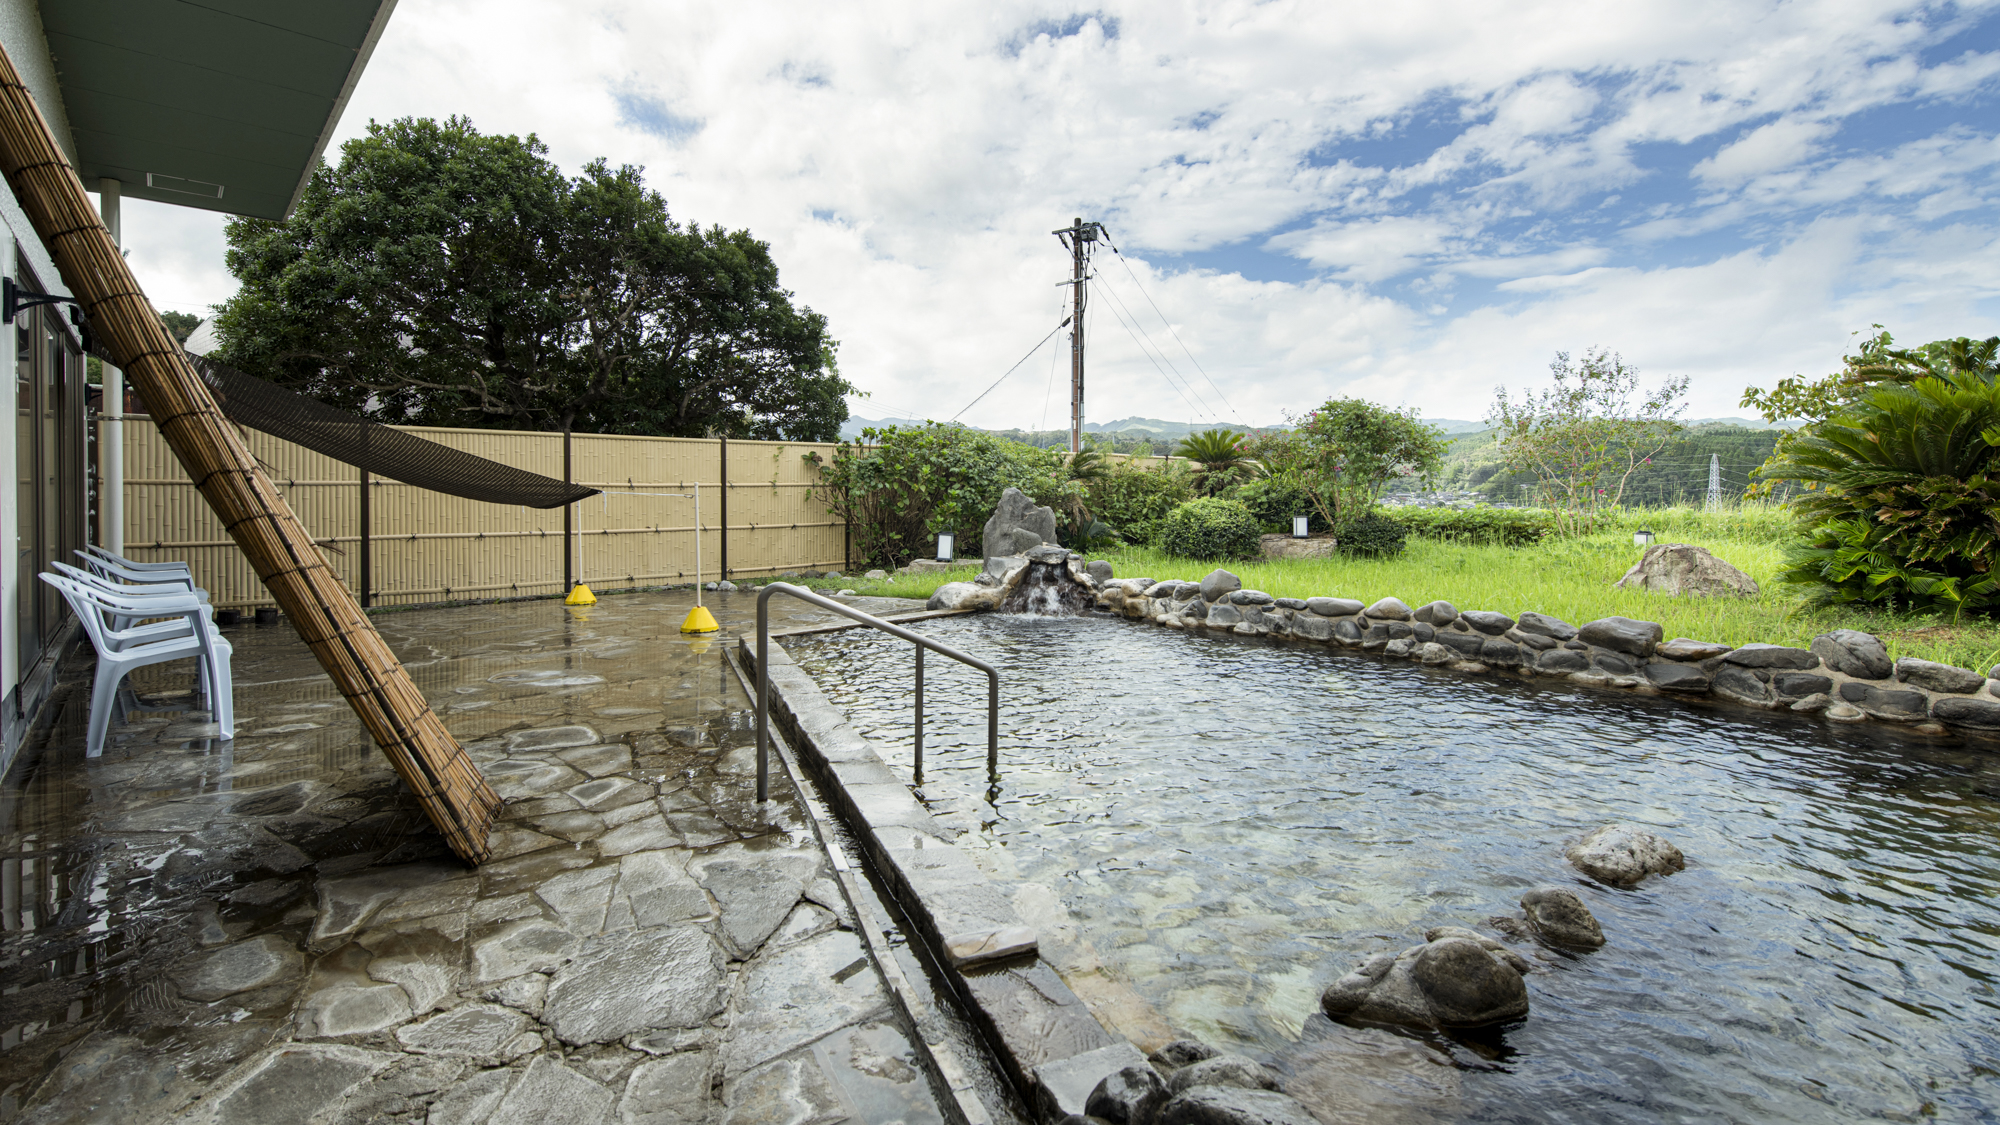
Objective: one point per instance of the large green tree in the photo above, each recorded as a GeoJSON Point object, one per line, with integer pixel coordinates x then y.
{"type": "Point", "coordinates": [441, 276]}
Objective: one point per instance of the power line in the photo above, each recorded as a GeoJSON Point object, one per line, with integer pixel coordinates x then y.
{"type": "Point", "coordinates": [1010, 370]}
{"type": "Point", "coordinates": [1143, 350]}
{"type": "Point", "coordinates": [1170, 327]}
{"type": "Point", "coordinates": [1198, 404]}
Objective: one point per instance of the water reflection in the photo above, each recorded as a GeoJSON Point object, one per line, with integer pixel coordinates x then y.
{"type": "Point", "coordinates": [1228, 826]}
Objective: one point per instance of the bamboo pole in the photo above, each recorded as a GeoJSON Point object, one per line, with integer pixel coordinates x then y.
{"type": "Point", "coordinates": [323, 611]}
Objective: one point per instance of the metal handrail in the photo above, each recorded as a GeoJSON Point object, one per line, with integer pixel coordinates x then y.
{"type": "Point", "coordinates": [922, 643]}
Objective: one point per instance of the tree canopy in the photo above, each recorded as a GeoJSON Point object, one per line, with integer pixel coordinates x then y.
{"type": "Point", "coordinates": [1341, 455]}
{"type": "Point", "coordinates": [440, 276]}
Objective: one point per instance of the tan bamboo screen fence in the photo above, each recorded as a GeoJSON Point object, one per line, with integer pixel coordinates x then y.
{"type": "Point", "coordinates": [428, 547]}
{"type": "Point", "coordinates": [245, 503]}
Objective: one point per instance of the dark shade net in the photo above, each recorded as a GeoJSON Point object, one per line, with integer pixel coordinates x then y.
{"type": "Point", "coordinates": [252, 402]}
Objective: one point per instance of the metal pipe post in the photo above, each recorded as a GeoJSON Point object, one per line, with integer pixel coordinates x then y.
{"type": "Point", "coordinates": [111, 407]}
{"type": "Point", "coordinates": [367, 554]}
{"type": "Point", "coordinates": [919, 738]}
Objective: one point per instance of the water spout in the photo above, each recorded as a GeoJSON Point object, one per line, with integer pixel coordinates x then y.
{"type": "Point", "coordinates": [1048, 590]}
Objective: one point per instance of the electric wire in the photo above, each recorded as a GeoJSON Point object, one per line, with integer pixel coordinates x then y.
{"type": "Point", "coordinates": [1196, 403]}
{"type": "Point", "coordinates": [1171, 381]}
{"type": "Point", "coordinates": [1011, 370]}
{"type": "Point", "coordinates": [1170, 327]}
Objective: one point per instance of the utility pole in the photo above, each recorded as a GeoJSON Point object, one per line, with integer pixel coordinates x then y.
{"type": "Point", "coordinates": [1080, 238]}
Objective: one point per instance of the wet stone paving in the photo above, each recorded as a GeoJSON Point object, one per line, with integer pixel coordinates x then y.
{"type": "Point", "coordinates": [268, 930]}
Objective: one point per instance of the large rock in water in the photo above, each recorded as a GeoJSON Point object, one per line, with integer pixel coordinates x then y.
{"type": "Point", "coordinates": [1682, 568]}
{"type": "Point", "coordinates": [1457, 978]}
{"type": "Point", "coordinates": [1018, 526]}
{"type": "Point", "coordinates": [1623, 856]}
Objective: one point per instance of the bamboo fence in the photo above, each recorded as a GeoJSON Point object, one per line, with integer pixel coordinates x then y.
{"type": "Point", "coordinates": [760, 515]}
{"type": "Point", "coordinates": [249, 506]}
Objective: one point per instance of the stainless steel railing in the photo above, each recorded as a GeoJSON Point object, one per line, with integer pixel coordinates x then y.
{"type": "Point", "coordinates": [922, 643]}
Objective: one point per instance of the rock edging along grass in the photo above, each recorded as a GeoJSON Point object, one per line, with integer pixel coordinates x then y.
{"type": "Point", "coordinates": [1846, 676]}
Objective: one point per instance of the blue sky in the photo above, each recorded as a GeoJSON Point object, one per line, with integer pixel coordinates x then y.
{"type": "Point", "coordinates": [1412, 203]}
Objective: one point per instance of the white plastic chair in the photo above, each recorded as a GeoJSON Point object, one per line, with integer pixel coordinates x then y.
{"type": "Point", "coordinates": [118, 569]}
{"type": "Point", "coordinates": [133, 564]}
{"type": "Point", "coordinates": [120, 651]}
{"type": "Point", "coordinates": [181, 585]}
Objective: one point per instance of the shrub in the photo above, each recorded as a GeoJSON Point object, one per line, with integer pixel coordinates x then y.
{"type": "Point", "coordinates": [1274, 502]}
{"type": "Point", "coordinates": [1372, 534]}
{"type": "Point", "coordinates": [1900, 491]}
{"type": "Point", "coordinates": [899, 487]}
{"type": "Point", "coordinates": [1134, 500]}
{"type": "Point", "coordinates": [1494, 527]}
{"type": "Point", "coordinates": [1210, 528]}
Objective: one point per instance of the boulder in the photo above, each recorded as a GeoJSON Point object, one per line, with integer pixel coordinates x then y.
{"type": "Point", "coordinates": [1682, 568]}
{"type": "Point", "coordinates": [1681, 648]}
{"type": "Point", "coordinates": [1677, 677]}
{"type": "Point", "coordinates": [1622, 634]}
{"type": "Point", "coordinates": [1563, 660]}
{"type": "Point", "coordinates": [1182, 1052]}
{"type": "Point", "coordinates": [1251, 597]}
{"type": "Point", "coordinates": [1854, 653]}
{"type": "Point", "coordinates": [1623, 856]}
{"type": "Point", "coordinates": [1542, 625]}
{"type": "Point", "coordinates": [1291, 603]}
{"type": "Point", "coordinates": [1002, 570]}
{"type": "Point", "coordinates": [1559, 917]}
{"type": "Point", "coordinates": [1431, 652]}
{"type": "Point", "coordinates": [1457, 978]}
{"type": "Point", "coordinates": [1227, 1105]}
{"type": "Point", "coordinates": [1884, 703]}
{"type": "Point", "coordinates": [1099, 570]}
{"type": "Point", "coordinates": [1502, 653]}
{"type": "Point", "coordinates": [1286, 547]}
{"type": "Point", "coordinates": [1435, 613]}
{"type": "Point", "coordinates": [1218, 584]}
{"type": "Point", "coordinates": [1978, 714]}
{"type": "Point", "coordinates": [964, 595]}
{"type": "Point", "coordinates": [1772, 656]}
{"type": "Point", "coordinates": [1119, 1098]}
{"type": "Point", "coordinates": [1018, 525]}
{"type": "Point", "coordinates": [1813, 704]}
{"type": "Point", "coordinates": [1794, 686]}
{"type": "Point", "coordinates": [1389, 609]}
{"type": "Point", "coordinates": [1334, 607]}
{"type": "Point", "coordinates": [1486, 621]}
{"type": "Point", "coordinates": [876, 575]}
{"type": "Point", "coordinates": [1743, 685]}
{"type": "Point", "coordinates": [1223, 1070]}
{"type": "Point", "coordinates": [1938, 677]}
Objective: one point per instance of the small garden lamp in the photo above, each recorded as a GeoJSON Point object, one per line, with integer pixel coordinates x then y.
{"type": "Point", "coordinates": [1642, 538]}
{"type": "Point", "coordinates": [1299, 527]}
{"type": "Point", "coordinates": [945, 546]}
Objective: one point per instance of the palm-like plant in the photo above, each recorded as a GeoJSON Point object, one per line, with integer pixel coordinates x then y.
{"type": "Point", "coordinates": [1902, 504]}
{"type": "Point", "coordinates": [1221, 455]}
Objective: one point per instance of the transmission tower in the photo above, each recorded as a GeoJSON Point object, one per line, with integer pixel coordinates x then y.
{"type": "Point", "coordinates": [1714, 481]}
{"type": "Point", "coordinates": [1079, 238]}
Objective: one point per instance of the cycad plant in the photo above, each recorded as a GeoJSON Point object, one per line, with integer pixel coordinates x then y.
{"type": "Point", "coordinates": [1900, 500]}
{"type": "Point", "coordinates": [1221, 455]}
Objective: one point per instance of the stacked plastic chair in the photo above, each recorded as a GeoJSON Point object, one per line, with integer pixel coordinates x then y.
{"type": "Point", "coordinates": [177, 624]}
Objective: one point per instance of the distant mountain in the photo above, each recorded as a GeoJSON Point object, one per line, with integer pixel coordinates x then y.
{"type": "Point", "coordinates": [1455, 426]}
{"type": "Point", "coordinates": [851, 429]}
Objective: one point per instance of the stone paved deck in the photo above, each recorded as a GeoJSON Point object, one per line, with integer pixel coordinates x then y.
{"type": "Point", "coordinates": [267, 930]}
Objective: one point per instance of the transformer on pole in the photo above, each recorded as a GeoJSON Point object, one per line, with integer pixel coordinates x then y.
{"type": "Point", "coordinates": [1079, 238]}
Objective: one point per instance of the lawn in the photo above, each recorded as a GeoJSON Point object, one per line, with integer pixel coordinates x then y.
{"type": "Point", "coordinates": [1572, 579]}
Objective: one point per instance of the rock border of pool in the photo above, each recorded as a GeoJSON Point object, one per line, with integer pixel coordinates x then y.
{"type": "Point", "coordinates": [1042, 1034]}
{"type": "Point", "coordinates": [1845, 677]}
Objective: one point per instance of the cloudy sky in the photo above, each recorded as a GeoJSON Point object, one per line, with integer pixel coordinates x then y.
{"type": "Point", "coordinates": [1410, 202]}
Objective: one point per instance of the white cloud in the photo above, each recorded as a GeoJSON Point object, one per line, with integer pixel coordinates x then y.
{"type": "Point", "coordinates": [1765, 149]}
{"type": "Point", "coordinates": [907, 161]}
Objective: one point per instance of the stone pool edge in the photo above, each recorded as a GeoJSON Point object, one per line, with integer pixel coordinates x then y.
{"type": "Point", "coordinates": [1044, 1037]}
{"type": "Point", "coordinates": [1828, 680]}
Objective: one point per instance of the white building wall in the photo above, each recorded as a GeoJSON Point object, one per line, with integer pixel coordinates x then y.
{"type": "Point", "coordinates": [27, 47]}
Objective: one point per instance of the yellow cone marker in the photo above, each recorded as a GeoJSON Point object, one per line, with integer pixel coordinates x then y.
{"type": "Point", "coordinates": [699, 620]}
{"type": "Point", "coordinates": [581, 595]}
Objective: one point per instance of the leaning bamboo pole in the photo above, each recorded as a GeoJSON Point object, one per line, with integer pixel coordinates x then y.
{"type": "Point", "coordinates": [323, 611]}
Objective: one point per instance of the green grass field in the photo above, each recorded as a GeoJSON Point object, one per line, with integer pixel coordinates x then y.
{"type": "Point", "coordinates": [1571, 579]}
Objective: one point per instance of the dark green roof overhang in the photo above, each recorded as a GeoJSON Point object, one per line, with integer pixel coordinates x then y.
{"type": "Point", "coordinates": [224, 105]}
